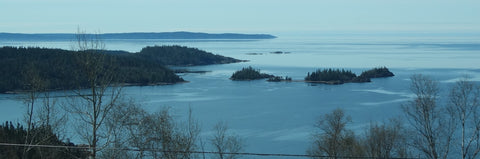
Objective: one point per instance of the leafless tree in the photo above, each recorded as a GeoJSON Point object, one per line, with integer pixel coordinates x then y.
{"type": "Point", "coordinates": [225, 143]}
{"type": "Point", "coordinates": [430, 122]}
{"type": "Point", "coordinates": [34, 85]}
{"type": "Point", "coordinates": [464, 107]}
{"type": "Point", "coordinates": [334, 139]}
{"type": "Point", "coordinates": [187, 136]}
{"type": "Point", "coordinates": [41, 115]}
{"type": "Point", "coordinates": [158, 135]}
{"type": "Point", "coordinates": [98, 94]}
{"type": "Point", "coordinates": [117, 124]}
{"type": "Point", "coordinates": [386, 140]}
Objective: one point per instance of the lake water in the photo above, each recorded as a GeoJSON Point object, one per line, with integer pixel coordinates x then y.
{"type": "Point", "coordinates": [279, 117]}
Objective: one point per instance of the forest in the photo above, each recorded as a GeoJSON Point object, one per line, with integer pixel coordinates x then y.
{"type": "Point", "coordinates": [340, 76]}
{"type": "Point", "coordinates": [59, 69]}
{"type": "Point", "coordinates": [183, 56]}
{"type": "Point", "coordinates": [249, 73]}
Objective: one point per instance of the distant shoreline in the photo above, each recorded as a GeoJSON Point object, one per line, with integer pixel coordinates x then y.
{"type": "Point", "coordinates": [137, 35]}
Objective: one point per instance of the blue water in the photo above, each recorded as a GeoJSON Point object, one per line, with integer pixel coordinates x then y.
{"type": "Point", "coordinates": [279, 117]}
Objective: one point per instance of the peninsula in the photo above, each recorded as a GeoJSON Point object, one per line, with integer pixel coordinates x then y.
{"type": "Point", "coordinates": [136, 35]}
{"type": "Point", "coordinates": [59, 69]}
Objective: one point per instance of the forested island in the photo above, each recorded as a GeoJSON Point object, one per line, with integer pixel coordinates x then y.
{"type": "Point", "coordinates": [379, 72]}
{"type": "Point", "coordinates": [326, 76]}
{"type": "Point", "coordinates": [59, 69]}
{"type": "Point", "coordinates": [249, 73]}
{"type": "Point", "coordinates": [337, 76]}
{"type": "Point", "coordinates": [183, 56]}
{"type": "Point", "coordinates": [139, 35]}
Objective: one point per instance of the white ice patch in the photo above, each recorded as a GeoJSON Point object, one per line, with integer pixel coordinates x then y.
{"type": "Point", "coordinates": [381, 91]}
{"type": "Point", "coordinates": [385, 102]}
{"type": "Point", "coordinates": [453, 80]}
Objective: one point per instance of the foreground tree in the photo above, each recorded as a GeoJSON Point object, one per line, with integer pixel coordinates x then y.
{"type": "Point", "coordinates": [91, 106]}
{"type": "Point", "coordinates": [15, 134]}
{"type": "Point", "coordinates": [152, 135]}
{"type": "Point", "coordinates": [464, 107]}
{"type": "Point", "coordinates": [225, 143]}
{"type": "Point", "coordinates": [334, 139]}
{"type": "Point", "coordinates": [431, 124]}
{"type": "Point", "coordinates": [34, 85]}
{"type": "Point", "coordinates": [387, 140]}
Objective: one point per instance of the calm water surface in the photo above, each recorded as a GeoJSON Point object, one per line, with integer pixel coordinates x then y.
{"type": "Point", "coordinates": [279, 117]}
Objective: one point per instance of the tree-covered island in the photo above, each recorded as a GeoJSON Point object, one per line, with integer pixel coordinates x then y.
{"type": "Point", "coordinates": [58, 69]}
{"type": "Point", "coordinates": [249, 73]}
{"type": "Point", "coordinates": [183, 56]}
{"type": "Point", "coordinates": [340, 76]}
{"type": "Point", "coordinates": [378, 72]}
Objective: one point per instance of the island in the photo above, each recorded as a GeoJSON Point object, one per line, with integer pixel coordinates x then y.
{"type": "Point", "coordinates": [337, 76]}
{"type": "Point", "coordinates": [379, 72]}
{"type": "Point", "coordinates": [138, 35]}
{"type": "Point", "coordinates": [249, 73]}
{"type": "Point", "coordinates": [183, 56]}
{"type": "Point", "coordinates": [59, 69]}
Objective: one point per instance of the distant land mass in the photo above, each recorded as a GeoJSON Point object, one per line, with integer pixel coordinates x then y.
{"type": "Point", "coordinates": [61, 69]}
{"type": "Point", "coordinates": [137, 35]}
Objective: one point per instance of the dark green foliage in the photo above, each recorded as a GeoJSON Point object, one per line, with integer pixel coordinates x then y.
{"type": "Point", "coordinates": [60, 68]}
{"type": "Point", "coordinates": [183, 56]}
{"type": "Point", "coordinates": [337, 76]}
{"type": "Point", "coordinates": [377, 73]}
{"type": "Point", "coordinates": [331, 75]}
{"type": "Point", "coordinates": [12, 134]}
{"type": "Point", "coordinates": [249, 73]}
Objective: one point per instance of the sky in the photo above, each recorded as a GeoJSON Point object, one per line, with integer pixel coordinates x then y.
{"type": "Point", "coordinates": [243, 16]}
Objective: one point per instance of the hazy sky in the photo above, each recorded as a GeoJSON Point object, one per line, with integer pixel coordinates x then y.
{"type": "Point", "coordinates": [246, 16]}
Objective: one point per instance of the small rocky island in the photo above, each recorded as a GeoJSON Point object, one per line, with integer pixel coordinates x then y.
{"type": "Point", "coordinates": [337, 76]}
{"type": "Point", "coordinates": [249, 73]}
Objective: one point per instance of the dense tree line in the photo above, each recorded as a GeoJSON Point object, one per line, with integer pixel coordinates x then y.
{"type": "Point", "coordinates": [340, 76]}
{"type": "Point", "coordinates": [249, 73]}
{"type": "Point", "coordinates": [183, 56]}
{"type": "Point", "coordinates": [377, 73]}
{"type": "Point", "coordinates": [44, 135]}
{"type": "Point", "coordinates": [60, 69]}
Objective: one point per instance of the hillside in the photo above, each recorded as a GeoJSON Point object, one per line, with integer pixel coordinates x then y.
{"type": "Point", "coordinates": [182, 56]}
{"type": "Point", "coordinates": [59, 69]}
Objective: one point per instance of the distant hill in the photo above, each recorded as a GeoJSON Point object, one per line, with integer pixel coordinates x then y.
{"type": "Point", "coordinates": [161, 35]}
{"type": "Point", "coordinates": [182, 56]}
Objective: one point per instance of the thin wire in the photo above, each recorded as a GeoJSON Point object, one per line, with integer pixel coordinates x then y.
{"type": "Point", "coordinates": [193, 152]}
